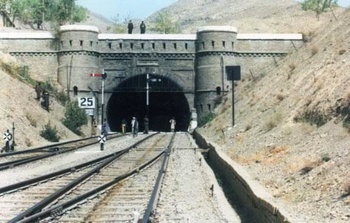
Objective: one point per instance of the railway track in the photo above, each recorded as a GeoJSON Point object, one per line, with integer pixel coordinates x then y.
{"type": "Point", "coordinates": [53, 196]}
{"type": "Point", "coordinates": [24, 156]}
{"type": "Point", "coordinates": [123, 183]}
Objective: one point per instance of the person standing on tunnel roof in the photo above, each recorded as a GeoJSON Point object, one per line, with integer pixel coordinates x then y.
{"type": "Point", "coordinates": [172, 124]}
{"type": "Point", "coordinates": [130, 27]}
{"type": "Point", "coordinates": [143, 27]}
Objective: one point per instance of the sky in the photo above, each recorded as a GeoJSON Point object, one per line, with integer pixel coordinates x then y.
{"type": "Point", "coordinates": [133, 9]}
{"type": "Point", "coordinates": [137, 9]}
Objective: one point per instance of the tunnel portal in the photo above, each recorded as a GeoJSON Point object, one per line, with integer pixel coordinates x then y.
{"type": "Point", "coordinates": [166, 100]}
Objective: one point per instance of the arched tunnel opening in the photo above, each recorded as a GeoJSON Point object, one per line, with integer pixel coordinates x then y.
{"type": "Point", "coordinates": [166, 100]}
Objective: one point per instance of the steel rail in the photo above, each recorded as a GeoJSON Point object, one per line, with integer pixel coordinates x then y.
{"type": "Point", "coordinates": [42, 148]}
{"type": "Point", "coordinates": [11, 164]}
{"type": "Point", "coordinates": [155, 193]}
{"type": "Point", "coordinates": [49, 176]}
{"type": "Point", "coordinates": [57, 151]}
{"type": "Point", "coordinates": [46, 201]}
{"type": "Point", "coordinates": [35, 180]}
{"type": "Point", "coordinates": [58, 209]}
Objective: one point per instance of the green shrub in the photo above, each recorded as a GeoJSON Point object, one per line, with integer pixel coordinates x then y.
{"type": "Point", "coordinates": [24, 74]}
{"type": "Point", "coordinates": [50, 133]}
{"type": "Point", "coordinates": [273, 121]}
{"type": "Point", "coordinates": [74, 117]}
{"type": "Point", "coordinates": [270, 124]}
{"type": "Point", "coordinates": [62, 97]}
{"type": "Point", "coordinates": [313, 117]}
{"type": "Point", "coordinates": [204, 120]}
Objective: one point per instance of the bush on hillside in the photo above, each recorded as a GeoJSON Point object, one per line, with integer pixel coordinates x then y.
{"type": "Point", "coordinates": [313, 117]}
{"type": "Point", "coordinates": [74, 117]}
{"type": "Point", "coordinates": [50, 133]}
{"type": "Point", "coordinates": [62, 97]}
{"type": "Point", "coordinates": [204, 120]}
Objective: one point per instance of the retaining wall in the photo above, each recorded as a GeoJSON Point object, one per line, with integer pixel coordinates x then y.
{"type": "Point", "coordinates": [257, 205]}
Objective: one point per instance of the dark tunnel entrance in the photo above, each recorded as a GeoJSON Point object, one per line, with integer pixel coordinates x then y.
{"type": "Point", "coordinates": [166, 100]}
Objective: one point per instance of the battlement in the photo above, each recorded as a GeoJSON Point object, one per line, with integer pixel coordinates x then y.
{"type": "Point", "coordinates": [194, 63]}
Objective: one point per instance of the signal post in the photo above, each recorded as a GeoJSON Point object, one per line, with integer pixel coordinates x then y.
{"type": "Point", "coordinates": [102, 137]}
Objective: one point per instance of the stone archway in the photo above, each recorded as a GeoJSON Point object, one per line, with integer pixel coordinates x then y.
{"type": "Point", "coordinates": [166, 100]}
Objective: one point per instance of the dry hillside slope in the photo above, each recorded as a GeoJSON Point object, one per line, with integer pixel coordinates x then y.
{"type": "Point", "coordinates": [292, 127]}
{"type": "Point", "coordinates": [19, 106]}
{"type": "Point", "coordinates": [248, 16]}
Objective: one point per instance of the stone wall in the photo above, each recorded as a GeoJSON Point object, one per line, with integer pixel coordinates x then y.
{"type": "Point", "coordinates": [124, 53]}
{"type": "Point", "coordinates": [42, 66]}
{"type": "Point", "coordinates": [255, 204]}
{"type": "Point", "coordinates": [195, 62]}
{"type": "Point", "coordinates": [37, 51]}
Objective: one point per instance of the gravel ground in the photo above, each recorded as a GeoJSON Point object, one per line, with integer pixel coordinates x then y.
{"type": "Point", "coordinates": [20, 173]}
{"type": "Point", "coordinates": [186, 195]}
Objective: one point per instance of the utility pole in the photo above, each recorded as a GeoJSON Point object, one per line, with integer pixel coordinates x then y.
{"type": "Point", "coordinates": [43, 15]}
{"type": "Point", "coordinates": [13, 137]}
{"type": "Point", "coordinates": [103, 135]}
{"type": "Point", "coordinates": [147, 95]}
{"type": "Point", "coordinates": [233, 74]}
{"type": "Point", "coordinates": [104, 76]}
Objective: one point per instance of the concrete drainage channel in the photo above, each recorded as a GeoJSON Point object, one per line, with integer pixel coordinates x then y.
{"type": "Point", "coordinates": [250, 200]}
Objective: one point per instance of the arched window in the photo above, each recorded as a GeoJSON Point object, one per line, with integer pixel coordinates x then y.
{"type": "Point", "coordinates": [75, 90]}
{"type": "Point", "coordinates": [218, 90]}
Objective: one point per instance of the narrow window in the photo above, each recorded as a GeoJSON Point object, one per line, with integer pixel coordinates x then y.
{"type": "Point", "coordinates": [131, 45]}
{"type": "Point", "coordinates": [120, 46]}
{"type": "Point", "coordinates": [153, 46]}
{"type": "Point", "coordinates": [91, 43]}
{"type": "Point", "coordinates": [233, 44]}
{"type": "Point", "coordinates": [218, 90]}
{"type": "Point", "coordinates": [209, 107]}
{"type": "Point", "coordinates": [175, 46]}
{"type": "Point", "coordinates": [201, 106]}
{"type": "Point", "coordinates": [75, 90]}
{"type": "Point", "coordinates": [203, 45]}
{"type": "Point", "coordinates": [142, 45]}
{"type": "Point", "coordinates": [81, 43]}
{"type": "Point", "coordinates": [61, 44]}
{"type": "Point", "coordinates": [70, 42]}
{"type": "Point", "coordinates": [213, 44]}
{"type": "Point", "coordinates": [110, 45]}
{"type": "Point", "coordinates": [223, 44]}
{"type": "Point", "coordinates": [164, 46]}
{"type": "Point", "coordinates": [186, 46]}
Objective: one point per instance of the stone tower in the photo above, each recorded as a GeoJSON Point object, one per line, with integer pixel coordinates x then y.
{"type": "Point", "coordinates": [214, 50]}
{"type": "Point", "coordinates": [78, 56]}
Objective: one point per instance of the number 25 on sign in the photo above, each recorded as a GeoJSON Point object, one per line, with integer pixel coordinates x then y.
{"type": "Point", "coordinates": [87, 102]}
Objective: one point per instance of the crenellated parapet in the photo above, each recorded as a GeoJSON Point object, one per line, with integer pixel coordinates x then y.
{"type": "Point", "coordinates": [215, 47]}
{"type": "Point", "coordinates": [195, 62]}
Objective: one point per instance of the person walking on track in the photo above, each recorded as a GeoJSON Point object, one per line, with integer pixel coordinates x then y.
{"type": "Point", "coordinates": [172, 124]}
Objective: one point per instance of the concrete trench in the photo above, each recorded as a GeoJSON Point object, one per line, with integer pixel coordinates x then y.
{"type": "Point", "coordinates": [249, 199]}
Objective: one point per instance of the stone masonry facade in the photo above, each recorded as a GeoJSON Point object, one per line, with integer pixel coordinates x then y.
{"type": "Point", "coordinates": [195, 62]}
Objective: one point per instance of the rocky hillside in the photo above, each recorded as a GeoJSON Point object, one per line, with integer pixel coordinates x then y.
{"type": "Point", "coordinates": [249, 16]}
{"type": "Point", "coordinates": [292, 126]}
{"type": "Point", "coordinates": [19, 107]}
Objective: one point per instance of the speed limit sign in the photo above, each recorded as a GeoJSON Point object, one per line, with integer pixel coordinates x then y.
{"type": "Point", "coordinates": [87, 102]}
